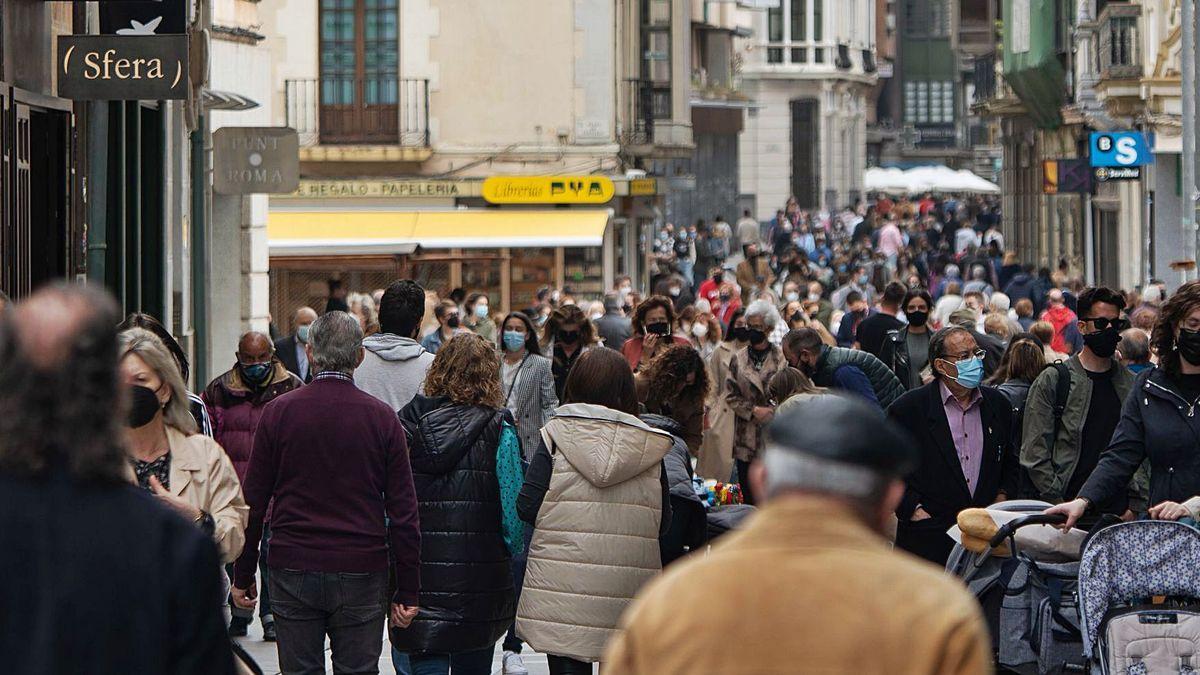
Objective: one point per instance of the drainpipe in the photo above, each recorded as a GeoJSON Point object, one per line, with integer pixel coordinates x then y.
{"type": "Point", "coordinates": [1188, 191]}
{"type": "Point", "coordinates": [199, 246]}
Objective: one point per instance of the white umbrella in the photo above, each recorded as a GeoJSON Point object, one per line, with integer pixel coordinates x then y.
{"type": "Point", "coordinates": [876, 179]}
{"type": "Point", "coordinates": [976, 184]}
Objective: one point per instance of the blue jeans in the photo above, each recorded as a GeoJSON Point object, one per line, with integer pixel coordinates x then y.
{"type": "Point", "coordinates": [463, 663]}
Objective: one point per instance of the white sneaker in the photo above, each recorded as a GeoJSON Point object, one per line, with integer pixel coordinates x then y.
{"type": "Point", "coordinates": [513, 664]}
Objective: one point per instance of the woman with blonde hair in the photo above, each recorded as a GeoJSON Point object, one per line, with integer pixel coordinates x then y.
{"type": "Point", "coordinates": [706, 334]}
{"type": "Point", "coordinates": [791, 387]}
{"type": "Point", "coordinates": [187, 471]}
{"type": "Point", "coordinates": [466, 466]}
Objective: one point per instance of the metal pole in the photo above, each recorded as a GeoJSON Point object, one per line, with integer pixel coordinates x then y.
{"type": "Point", "coordinates": [1188, 78]}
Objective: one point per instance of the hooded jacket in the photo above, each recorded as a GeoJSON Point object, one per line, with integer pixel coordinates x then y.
{"type": "Point", "coordinates": [235, 409]}
{"type": "Point", "coordinates": [467, 596]}
{"type": "Point", "coordinates": [595, 539]}
{"type": "Point", "coordinates": [393, 368]}
{"type": "Point", "coordinates": [1060, 317]}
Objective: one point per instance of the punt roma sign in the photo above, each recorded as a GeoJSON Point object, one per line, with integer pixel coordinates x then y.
{"type": "Point", "coordinates": [123, 67]}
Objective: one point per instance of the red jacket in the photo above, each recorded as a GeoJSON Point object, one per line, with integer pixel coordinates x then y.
{"type": "Point", "coordinates": [710, 291]}
{"type": "Point", "coordinates": [235, 410]}
{"type": "Point", "coordinates": [1060, 318]}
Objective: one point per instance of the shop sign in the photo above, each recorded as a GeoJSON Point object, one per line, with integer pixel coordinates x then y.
{"type": "Point", "coordinates": [1105, 173]}
{"type": "Point", "coordinates": [255, 160]}
{"type": "Point", "coordinates": [154, 17]}
{"type": "Point", "coordinates": [548, 189]}
{"type": "Point", "coordinates": [123, 67]}
{"type": "Point", "coordinates": [1120, 149]}
{"type": "Point", "coordinates": [394, 189]}
{"type": "Point", "coordinates": [640, 187]}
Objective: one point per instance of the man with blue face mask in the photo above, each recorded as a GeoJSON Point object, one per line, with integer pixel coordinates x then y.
{"type": "Point", "coordinates": [964, 431]}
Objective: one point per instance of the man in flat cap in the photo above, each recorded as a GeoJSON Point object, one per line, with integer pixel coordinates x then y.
{"type": "Point", "coordinates": [809, 583]}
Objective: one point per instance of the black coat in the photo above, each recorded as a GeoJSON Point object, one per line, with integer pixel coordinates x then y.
{"type": "Point", "coordinates": [285, 349]}
{"type": "Point", "coordinates": [467, 595]}
{"type": "Point", "coordinates": [938, 485]}
{"type": "Point", "coordinates": [1159, 424]}
{"type": "Point", "coordinates": [105, 579]}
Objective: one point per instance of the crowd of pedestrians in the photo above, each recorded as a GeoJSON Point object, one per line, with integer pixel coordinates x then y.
{"type": "Point", "coordinates": [464, 479]}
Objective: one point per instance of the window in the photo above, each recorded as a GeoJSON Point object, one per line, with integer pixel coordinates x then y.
{"type": "Point", "coordinates": [1118, 51]}
{"type": "Point", "coordinates": [800, 20]}
{"type": "Point", "coordinates": [655, 90]}
{"type": "Point", "coordinates": [927, 18]}
{"type": "Point", "coordinates": [360, 70]}
{"type": "Point", "coordinates": [929, 102]}
{"type": "Point", "coordinates": [1122, 30]}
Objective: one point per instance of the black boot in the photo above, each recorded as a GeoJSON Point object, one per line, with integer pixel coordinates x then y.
{"type": "Point", "coordinates": [269, 632]}
{"type": "Point", "coordinates": [237, 626]}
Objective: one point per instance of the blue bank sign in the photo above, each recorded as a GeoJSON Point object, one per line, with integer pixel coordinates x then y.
{"type": "Point", "coordinates": [1120, 149]}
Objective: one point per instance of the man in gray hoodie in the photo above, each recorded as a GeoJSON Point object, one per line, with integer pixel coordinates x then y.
{"type": "Point", "coordinates": [394, 364]}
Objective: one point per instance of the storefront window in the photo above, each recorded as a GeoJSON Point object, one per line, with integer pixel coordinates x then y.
{"type": "Point", "coordinates": [481, 273]}
{"type": "Point", "coordinates": [532, 269]}
{"type": "Point", "coordinates": [583, 271]}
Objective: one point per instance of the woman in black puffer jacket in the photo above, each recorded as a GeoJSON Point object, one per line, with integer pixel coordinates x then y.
{"type": "Point", "coordinates": [454, 432]}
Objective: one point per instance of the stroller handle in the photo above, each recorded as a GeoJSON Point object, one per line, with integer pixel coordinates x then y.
{"type": "Point", "coordinates": [1010, 528]}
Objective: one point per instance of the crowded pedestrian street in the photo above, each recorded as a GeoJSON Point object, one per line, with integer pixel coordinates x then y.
{"type": "Point", "coordinates": [617, 337]}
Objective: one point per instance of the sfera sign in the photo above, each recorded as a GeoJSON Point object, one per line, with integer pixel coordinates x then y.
{"type": "Point", "coordinates": [123, 67]}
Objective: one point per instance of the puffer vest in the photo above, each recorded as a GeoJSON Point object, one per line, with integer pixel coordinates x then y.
{"type": "Point", "coordinates": [467, 597]}
{"type": "Point", "coordinates": [595, 542]}
{"type": "Point", "coordinates": [887, 386]}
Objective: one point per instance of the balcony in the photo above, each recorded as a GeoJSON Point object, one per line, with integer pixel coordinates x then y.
{"type": "Point", "coordinates": [645, 102]}
{"type": "Point", "coordinates": [350, 118]}
{"type": "Point", "coordinates": [992, 94]}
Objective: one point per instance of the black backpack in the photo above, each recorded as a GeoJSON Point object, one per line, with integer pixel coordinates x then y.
{"type": "Point", "coordinates": [1062, 390]}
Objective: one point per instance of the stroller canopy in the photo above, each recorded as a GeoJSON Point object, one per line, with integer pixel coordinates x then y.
{"type": "Point", "coordinates": [1133, 561]}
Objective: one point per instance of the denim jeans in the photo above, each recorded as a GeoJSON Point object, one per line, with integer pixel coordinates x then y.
{"type": "Point", "coordinates": [463, 663]}
{"type": "Point", "coordinates": [243, 616]}
{"type": "Point", "coordinates": [512, 643]}
{"type": "Point", "coordinates": [348, 607]}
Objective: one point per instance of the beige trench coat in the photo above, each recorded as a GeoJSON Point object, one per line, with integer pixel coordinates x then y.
{"type": "Point", "coordinates": [716, 451]}
{"type": "Point", "coordinates": [202, 474]}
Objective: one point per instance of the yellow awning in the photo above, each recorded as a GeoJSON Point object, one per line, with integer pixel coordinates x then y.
{"type": "Point", "coordinates": [374, 232]}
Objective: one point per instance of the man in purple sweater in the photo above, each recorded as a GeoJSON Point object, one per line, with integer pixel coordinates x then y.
{"type": "Point", "coordinates": [332, 462]}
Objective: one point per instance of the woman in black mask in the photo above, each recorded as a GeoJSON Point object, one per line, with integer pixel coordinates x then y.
{"type": "Point", "coordinates": [1158, 422]}
{"type": "Point", "coordinates": [716, 451]}
{"type": "Point", "coordinates": [653, 331]}
{"type": "Point", "coordinates": [186, 471]}
{"type": "Point", "coordinates": [567, 335]}
{"type": "Point", "coordinates": [747, 385]}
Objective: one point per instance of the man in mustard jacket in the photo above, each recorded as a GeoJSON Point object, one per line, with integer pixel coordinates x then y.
{"type": "Point", "coordinates": [809, 583]}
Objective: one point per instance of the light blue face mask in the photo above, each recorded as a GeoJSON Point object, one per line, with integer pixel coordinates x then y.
{"type": "Point", "coordinates": [514, 340]}
{"type": "Point", "coordinates": [970, 372]}
{"type": "Point", "coordinates": [302, 333]}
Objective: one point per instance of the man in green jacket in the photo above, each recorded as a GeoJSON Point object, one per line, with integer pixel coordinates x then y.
{"type": "Point", "coordinates": [1058, 456]}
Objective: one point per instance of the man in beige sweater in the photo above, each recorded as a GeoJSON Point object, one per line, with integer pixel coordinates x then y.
{"type": "Point", "coordinates": [809, 583]}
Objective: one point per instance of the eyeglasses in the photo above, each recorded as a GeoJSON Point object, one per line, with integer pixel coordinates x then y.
{"type": "Point", "coordinates": [1103, 323]}
{"type": "Point", "coordinates": [978, 354]}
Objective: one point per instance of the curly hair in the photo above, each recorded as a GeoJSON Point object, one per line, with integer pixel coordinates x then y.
{"type": "Point", "coordinates": [652, 302]}
{"type": "Point", "coordinates": [1174, 312]}
{"type": "Point", "coordinates": [467, 371]}
{"type": "Point", "coordinates": [71, 414]}
{"type": "Point", "coordinates": [565, 315]}
{"type": "Point", "coordinates": [667, 377]}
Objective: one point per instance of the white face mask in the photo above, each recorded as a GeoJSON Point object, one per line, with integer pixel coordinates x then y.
{"type": "Point", "coordinates": [699, 330]}
{"type": "Point", "coordinates": [792, 296]}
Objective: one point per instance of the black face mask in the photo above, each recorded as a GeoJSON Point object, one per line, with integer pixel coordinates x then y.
{"type": "Point", "coordinates": [1188, 343]}
{"type": "Point", "coordinates": [739, 333]}
{"type": "Point", "coordinates": [568, 337]}
{"type": "Point", "coordinates": [716, 278]}
{"type": "Point", "coordinates": [452, 322]}
{"type": "Point", "coordinates": [757, 338]}
{"type": "Point", "coordinates": [1103, 343]}
{"type": "Point", "coordinates": [662, 328]}
{"type": "Point", "coordinates": [143, 406]}
{"type": "Point", "coordinates": [917, 319]}
{"type": "Point", "coordinates": [797, 317]}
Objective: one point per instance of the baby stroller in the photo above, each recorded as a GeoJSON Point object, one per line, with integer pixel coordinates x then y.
{"type": "Point", "coordinates": [1028, 597]}
{"type": "Point", "coordinates": [1139, 598]}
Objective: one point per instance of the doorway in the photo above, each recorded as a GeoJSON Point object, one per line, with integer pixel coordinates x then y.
{"type": "Point", "coordinates": [806, 173]}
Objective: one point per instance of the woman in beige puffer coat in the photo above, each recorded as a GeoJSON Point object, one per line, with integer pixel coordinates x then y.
{"type": "Point", "coordinates": [597, 498]}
